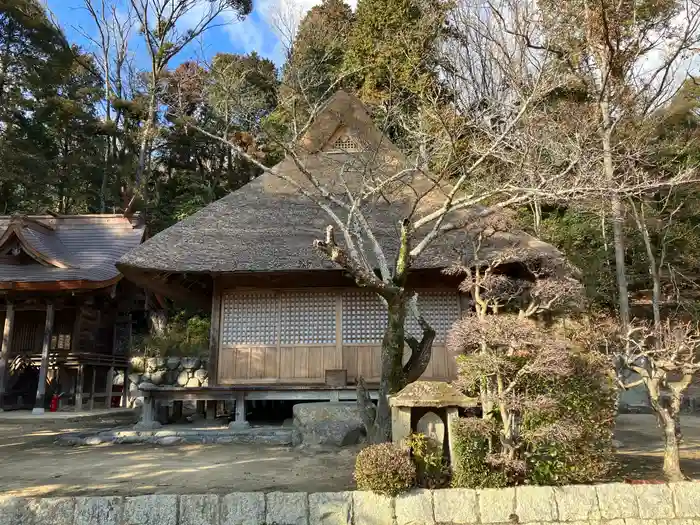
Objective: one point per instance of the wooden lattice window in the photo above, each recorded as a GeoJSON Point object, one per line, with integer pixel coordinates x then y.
{"type": "Point", "coordinates": [364, 318]}
{"type": "Point", "coordinates": [346, 143]}
{"type": "Point", "coordinates": [307, 318]}
{"type": "Point", "coordinates": [439, 308]}
{"type": "Point", "coordinates": [249, 319]}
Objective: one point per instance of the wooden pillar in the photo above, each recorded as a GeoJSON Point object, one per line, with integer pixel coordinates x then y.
{"type": "Point", "coordinates": [109, 386]}
{"type": "Point", "coordinates": [125, 389]}
{"type": "Point", "coordinates": [5, 349]}
{"type": "Point", "coordinates": [91, 402]}
{"type": "Point", "coordinates": [214, 334]}
{"type": "Point", "coordinates": [239, 420]}
{"type": "Point", "coordinates": [45, 347]}
{"type": "Point", "coordinates": [79, 388]}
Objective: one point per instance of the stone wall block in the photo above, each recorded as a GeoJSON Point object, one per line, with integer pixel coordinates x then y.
{"type": "Point", "coordinates": [98, 510]}
{"type": "Point", "coordinates": [496, 505]}
{"type": "Point", "coordinates": [687, 499]}
{"type": "Point", "coordinates": [655, 501]}
{"type": "Point", "coordinates": [287, 508]}
{"type": "Point", "coordinates": [199, 509]}
{"type": "Point", "coordinates": [617, 501]}
{"type": "Point", "coordinates": [158, 509]}
{"type": "Point", "coordinates": [577, 503]}
{"type": "Point", "coordinates": [372, 509]}
{"type": "Point", "coordinates": [415, 508]}
{"type": "Point", "coordinates": [456, 506]}
{"type": "Point", "coordinates": [243, 508]}
{"type": "Point", "coordinates": [535, 504]}
{"type": "Point", "coordinates": [330, 508]}
{"type": "Point", "coordinates": [48, 511]}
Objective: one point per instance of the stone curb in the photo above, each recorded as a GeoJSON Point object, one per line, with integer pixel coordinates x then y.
{"type": "Point", "coordinates": [262, 436]}
{"type": "Point", "coordinates": [610, 504]}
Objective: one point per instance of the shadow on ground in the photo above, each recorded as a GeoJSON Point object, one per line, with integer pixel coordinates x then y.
{"type": "Point", "coordinates": [32, 465]}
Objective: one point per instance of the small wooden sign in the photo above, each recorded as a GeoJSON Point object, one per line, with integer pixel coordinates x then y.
{"type": "Point", "coordinates": [337, 377]}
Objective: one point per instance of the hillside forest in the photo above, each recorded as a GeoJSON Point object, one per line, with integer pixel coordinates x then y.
{"type": "Point", "coordinates": [89, 129]}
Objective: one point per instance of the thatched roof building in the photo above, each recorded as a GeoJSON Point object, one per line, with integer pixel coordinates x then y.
{"type": "Point", "coordinates": [281, 312]}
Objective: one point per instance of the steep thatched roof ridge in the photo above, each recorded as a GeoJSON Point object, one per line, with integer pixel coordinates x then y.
{"type": "Point", "coordinates": [268, 226]}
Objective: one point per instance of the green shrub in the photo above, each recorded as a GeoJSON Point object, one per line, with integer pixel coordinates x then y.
{"type": "Point", "coordinates": [572, 442]}
{"type": "Point", "coordinates": [431, 467]}
{"type": "Point", "coordinates": [183, 337]}
{"type": "Point", "coordinates": [385, 468]}
{"type": "Point", "coordinates": [472, 444]}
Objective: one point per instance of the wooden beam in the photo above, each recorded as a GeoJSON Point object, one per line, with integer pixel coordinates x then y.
{"type": "Point", "coordinates": [110, 386]}
{"type": "Point", "coordinates": [45, 347]}
{"type": "Point", "coordinates": [5, 349]}
{"type": "Point", "coordinates": [215, 327]}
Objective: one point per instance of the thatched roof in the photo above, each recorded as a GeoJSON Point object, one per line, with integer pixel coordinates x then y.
{"type": "Point", "coordinates": [268, 226]}
{"type": "Point", "coordinates": [76, 250]}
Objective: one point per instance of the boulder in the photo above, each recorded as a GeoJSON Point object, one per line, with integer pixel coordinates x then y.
{"type": "Point", "coordinates": [190, 363]}
{"type": "Point", "coordinates": [118, 379]}
{"type": "Point", "coordinates": [334, 433]}
{"type": "Point", "coordinates": [182, 378]}
{"type": "Point", "coordinates": [205, 381]}
{"type": "Point", "coordinates": [154, 363]}
{"type": "Point", "coordinates": [201, 374]}
{"type": "Point", "coordinates": [138, 364]}
{"type": "Point", "coordinates": [172, 363]}
{"type": "Point", "coordinates": [330, 424]}
{"type": "Point", "coordinates": [171, 377]}
{"type": "Point", "coordinates": [193, 382]}
{"type": "Point", "coordinates": [158, 377]}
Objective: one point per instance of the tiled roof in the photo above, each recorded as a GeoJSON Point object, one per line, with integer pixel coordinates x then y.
{"type": "Point", "coordinates": [67, 248]}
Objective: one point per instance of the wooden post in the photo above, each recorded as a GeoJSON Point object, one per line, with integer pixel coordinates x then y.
{"type": "Point", "coordinates": [79, 388]}
{"type": "Point", "coordinates": [109, 387]}
{"type": "Point", "coordinates": [91, 402]}
{"type": "Point", "coordinates": [45, 347]}
{"type": "Point", "coordinates": [239, 420]}
{"type": "Point", "coordinates": [125, 389]}
{"type": "Point", "coordinates": [5, 349]}
{"type": "Point", "coordinates": [214, 329]}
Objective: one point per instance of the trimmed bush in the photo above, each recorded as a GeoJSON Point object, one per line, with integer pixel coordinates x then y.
{"type": "Point", "coordinates": [472, 438]}
{"type": "Point", "coordinates": [385, 469]}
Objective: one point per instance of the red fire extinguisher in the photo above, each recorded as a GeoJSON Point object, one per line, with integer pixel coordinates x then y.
{"type": "Point", "coordinates": [53, 406]}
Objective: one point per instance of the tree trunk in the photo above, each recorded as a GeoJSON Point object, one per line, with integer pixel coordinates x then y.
{"type": "Point", "coordinates": [144, 153]}
{"type": "Point", "coordinates": [672, 458]}
{"type": "Point", "coordinates": [158, 321]}
{"type": "Point", "coordinates": [393, 377]}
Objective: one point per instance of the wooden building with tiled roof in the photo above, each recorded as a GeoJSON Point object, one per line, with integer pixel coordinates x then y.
{"type": "Point", "coordinates": [64, 309]}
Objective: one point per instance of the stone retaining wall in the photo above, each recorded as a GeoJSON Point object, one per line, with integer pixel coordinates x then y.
{"type": "Point", "coordinates": [613, 504]}
{"type": "Point", "coordinates": [163, 371]}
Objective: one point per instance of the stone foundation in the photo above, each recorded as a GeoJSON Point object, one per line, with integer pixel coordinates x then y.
{"type": "Point", "coordinates": [612, 504]}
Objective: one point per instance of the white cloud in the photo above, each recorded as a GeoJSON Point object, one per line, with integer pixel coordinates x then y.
{"type": "Point", "coordinates": [272, 27]}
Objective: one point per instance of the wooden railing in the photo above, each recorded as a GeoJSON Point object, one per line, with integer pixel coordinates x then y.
{"type": "Point", "coordinates": [76, 359]}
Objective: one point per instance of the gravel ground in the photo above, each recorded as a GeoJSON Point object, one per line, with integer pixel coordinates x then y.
{"type": "Point", "coordinates": [32, 465]}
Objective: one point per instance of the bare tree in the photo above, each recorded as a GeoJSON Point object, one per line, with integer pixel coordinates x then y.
{"type": "Point", "coordinates": [167, 27]}
{"type": "Point", "coordinates": [113, 27]}
{"type": "Point", "coordinates": [450, 174]}
{"type": "Point", "coordinates": [666, 358]}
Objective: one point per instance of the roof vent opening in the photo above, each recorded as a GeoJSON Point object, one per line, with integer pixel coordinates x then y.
{"type": "Point", "coordinates": [347, 144]}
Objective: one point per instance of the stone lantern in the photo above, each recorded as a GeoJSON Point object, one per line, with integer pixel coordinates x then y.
{"type": "Point", "coordinates": [429, 408]}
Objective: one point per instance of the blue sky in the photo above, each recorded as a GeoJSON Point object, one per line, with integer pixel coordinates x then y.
{"type": "Point", "coordinates": [255, 33]}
